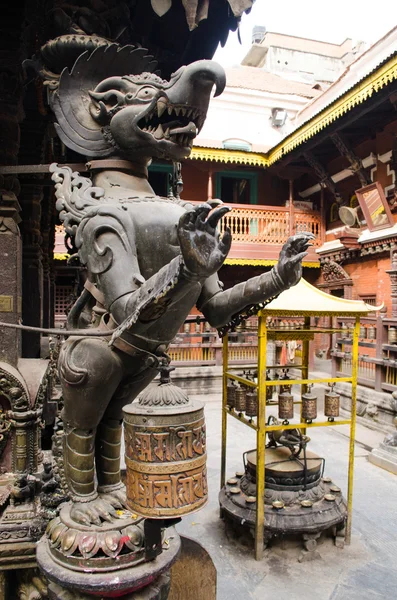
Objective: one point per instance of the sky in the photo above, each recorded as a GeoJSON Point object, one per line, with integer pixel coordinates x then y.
{"type": "Point", "coordinates": [315, 19]}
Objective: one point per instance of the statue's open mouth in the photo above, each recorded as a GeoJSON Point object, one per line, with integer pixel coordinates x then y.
{"type": "Point", "coordinates": [177, 124]}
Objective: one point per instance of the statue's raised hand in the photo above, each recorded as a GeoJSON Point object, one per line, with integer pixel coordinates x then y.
{"type": "Point", "coordinates": [203, 250]}
{"type": "Point", "coordinates": [289, 266]}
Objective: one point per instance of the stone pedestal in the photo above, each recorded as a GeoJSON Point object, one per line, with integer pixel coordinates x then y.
{"type": "Point", "coordinates": [158, 590]}
{"type": "Point", "coordinates": [111, 560]}
{"type": "Point", "coordinates": [386, 455]}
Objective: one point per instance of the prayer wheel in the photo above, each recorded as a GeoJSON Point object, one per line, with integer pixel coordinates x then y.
{"type": "Point", "coordinates": [240, 403]}
{"type": "Point", "coordinates": [286, 404]}
{"type": "Point", "coordinates": [251, 403]}
{"type": "Point", "coordinates": [231, 394]}
{"type": "Point", "coordinates": [331, 403]}
{"type": "Point", "coordinates": [165, 452]}
{"type": "Point", "coordinates": [392, 335]}
{"type": "Point", "coordinates": [309, 405]}
{"type": "Point", "coordinates": [371, 330]}
{"type": "Point", "coordinates": [269, 389]}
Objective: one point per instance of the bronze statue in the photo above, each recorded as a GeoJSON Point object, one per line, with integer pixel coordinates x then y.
{"type": "Point", "coordinates": [149, 260]}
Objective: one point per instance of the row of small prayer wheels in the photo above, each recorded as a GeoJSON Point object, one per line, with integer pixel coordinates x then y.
{"type": "Point", "coordinates": [366, 332]}
{"type": "Point", "coordinates": [244, 399]}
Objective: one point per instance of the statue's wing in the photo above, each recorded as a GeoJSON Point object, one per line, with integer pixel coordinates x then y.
{"type": "Point", "coordinates": [70, 100]}
{"type": "Point", "coordinates": [75, 196]}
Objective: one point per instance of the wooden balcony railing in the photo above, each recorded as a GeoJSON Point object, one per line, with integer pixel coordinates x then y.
{"type": "Point", "coordinates": [270, 224]}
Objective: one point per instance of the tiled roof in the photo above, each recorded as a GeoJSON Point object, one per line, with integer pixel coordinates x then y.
{"type": "Point", "coordinates": [254, 78]}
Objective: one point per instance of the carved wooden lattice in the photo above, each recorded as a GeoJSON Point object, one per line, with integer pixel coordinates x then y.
{"type": "Point", "coordinates": [63, 297]}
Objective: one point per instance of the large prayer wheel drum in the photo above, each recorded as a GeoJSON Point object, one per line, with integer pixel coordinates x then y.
{"type": "Point", "coordinates": [165, 453]}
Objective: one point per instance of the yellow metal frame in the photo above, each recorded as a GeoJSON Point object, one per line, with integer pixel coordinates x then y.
{"type": "Point", "coordinates": [262, 429]}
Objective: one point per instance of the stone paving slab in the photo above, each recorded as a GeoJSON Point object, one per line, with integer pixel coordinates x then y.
{"type": "Point", "coordinates": [365, 570]}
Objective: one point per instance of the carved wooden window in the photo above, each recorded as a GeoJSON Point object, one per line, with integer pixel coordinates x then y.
{"type": "Point", "coordinates": [237, 187]}
{"type": "Point", "coordinates": [374, 206]}
{"type": "Point", "coordinates": [63, 300]}
{"type": "Point", "coordinates": [369, 299]}
{"type": "Point", "coordinates": [160, 178]}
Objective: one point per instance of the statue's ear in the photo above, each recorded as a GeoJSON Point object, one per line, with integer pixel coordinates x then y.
{"type": "Point", "coordinates": [104, 104]}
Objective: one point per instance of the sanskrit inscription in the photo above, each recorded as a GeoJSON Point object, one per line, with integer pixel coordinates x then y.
{"type": "Point", "coordinates": [174, 444]}
{"type": "Point", "coordinates": [167, 493]}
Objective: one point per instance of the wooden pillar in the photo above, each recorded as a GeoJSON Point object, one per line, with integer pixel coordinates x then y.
{"type": "Point", "coordinates": [393, 280]}
{"type": "Point", "coordinates": [381, 338]}
{"type": "Point", "coordinates": [47, 247]}
{"type": "Point", "coordinates": [210, 192]}
{"type": "Point", "coordinates": [323, 215]}
{"type": "Point", "coordinates": [11, 114]}
{"type": "Point", "coordinates": [291, 207]}
{"type": "Point", "coordinates": [32, 271]}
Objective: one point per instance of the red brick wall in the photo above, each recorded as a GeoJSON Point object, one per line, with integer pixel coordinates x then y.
{"type": "Point", "coordinates": [370, 277]}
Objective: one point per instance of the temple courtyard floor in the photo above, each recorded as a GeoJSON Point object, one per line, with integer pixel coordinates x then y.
{"type": "Point", "coordinates": [365, 570]}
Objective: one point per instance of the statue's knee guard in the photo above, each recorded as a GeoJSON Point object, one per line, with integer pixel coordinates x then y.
{"type": "Point", "coordinates": [107, 454]}
{"type": "Point", "coordinates": [79, 445]}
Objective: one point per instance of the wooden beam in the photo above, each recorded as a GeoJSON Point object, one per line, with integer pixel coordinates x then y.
{"type": "Point", "coordinates": [356, 164]}
{"type": "Point", "coordinates": [323, 176]}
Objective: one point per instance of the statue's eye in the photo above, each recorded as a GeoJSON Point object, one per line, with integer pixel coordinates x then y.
{"type": "Point", "coordinates": [146, 93]}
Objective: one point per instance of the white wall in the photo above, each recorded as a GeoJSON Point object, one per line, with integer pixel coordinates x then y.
{"type": "Point", "coordinates": [245, 114]}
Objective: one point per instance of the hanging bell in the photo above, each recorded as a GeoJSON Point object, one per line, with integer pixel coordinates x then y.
{"type": "Point", "coordinates": [331, 403]}
{"type": "Point", "coordinates": [309, 405]}
{"type": "Point", "coordinates": [251, 403]}
{"type": "Point", "coordinates": [165, 451]}
{"type": "Point", "coordinates": [286, 404]}
{"type": "Point", "coordinates": [231, 394]}
{"type": "Point", "coordinates": [240, 403]}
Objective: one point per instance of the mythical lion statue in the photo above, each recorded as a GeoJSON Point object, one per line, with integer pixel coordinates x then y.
{"type": "Point", "coordinates": [149, 259]}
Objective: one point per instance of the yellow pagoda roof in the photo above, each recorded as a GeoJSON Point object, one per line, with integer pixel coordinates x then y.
{"type": "Point", "coordinates": [304, 299]}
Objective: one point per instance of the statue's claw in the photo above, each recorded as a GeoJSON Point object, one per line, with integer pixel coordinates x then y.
{"type": "Point", "coordinates": [93, 513]}
{"type": "Point", "coordinates": [202, 248]}
{"type": "Point", "coordinates": [116, 498]}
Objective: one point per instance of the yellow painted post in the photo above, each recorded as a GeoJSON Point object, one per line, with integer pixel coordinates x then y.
{"type": "Point", "coordinates": [305, 363]}
{"type": "Point", "coordinates": [225, 350]}
{"type": "Point", "coordinates": [261, 439]}
{"type": "Point", "coordinates": [356, 334]}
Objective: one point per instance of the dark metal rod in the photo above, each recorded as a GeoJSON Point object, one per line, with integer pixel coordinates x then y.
{"type": "Point", "coordinates": [62, 332]}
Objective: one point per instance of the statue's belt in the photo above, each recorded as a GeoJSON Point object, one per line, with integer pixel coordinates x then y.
{"type": "Point", "coordinates": [132, 344]}
{"type": "Point", "coordinates": [98, 295]}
